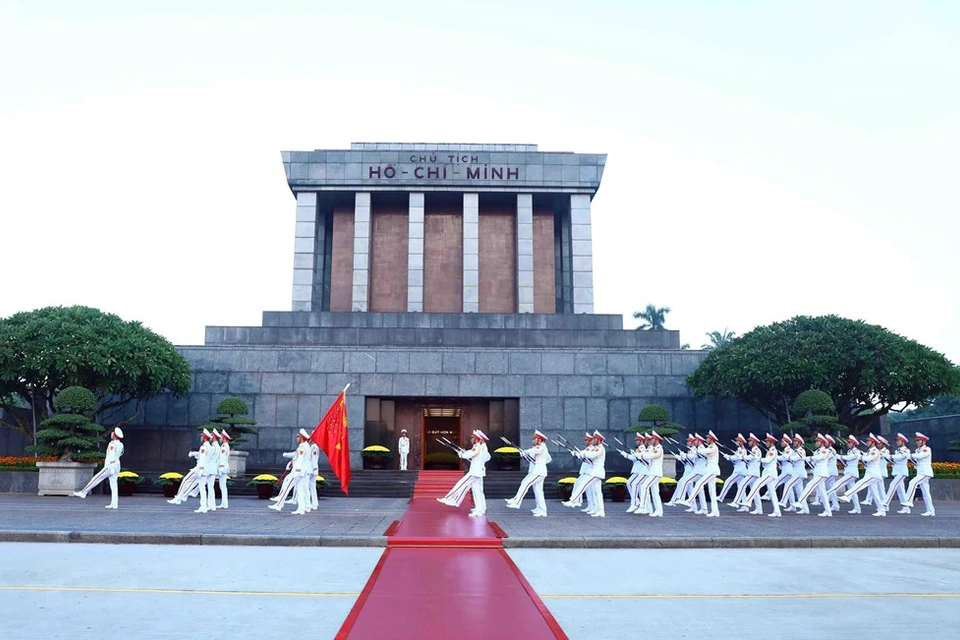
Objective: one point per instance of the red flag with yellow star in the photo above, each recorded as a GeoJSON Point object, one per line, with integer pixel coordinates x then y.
{"type": "Point", "coordinates": [331, 436]}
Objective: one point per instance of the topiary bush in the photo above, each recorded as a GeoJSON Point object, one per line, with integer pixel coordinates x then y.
{"type": "Point", "coordinates": [655, 417]}
{"type": "Point", "coordinates": [232, 415]}
{"type": "Point", "coordinates": [70, 434]}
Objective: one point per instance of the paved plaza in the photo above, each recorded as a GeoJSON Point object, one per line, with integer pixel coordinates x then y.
{"type": "Point", "coordinates": [362, 522]}
{"type": "Point", "coordinates": [161, 591]}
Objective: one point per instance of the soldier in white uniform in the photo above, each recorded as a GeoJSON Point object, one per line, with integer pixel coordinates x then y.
{"type": "Point", "coordinates": [584, 475]}
{"type": "Point", "coordinates": [110, 471]}
{"type": "Point", "coordinates": [473, 480]}
{"type": "Point", "coordinates": [206, 471]}
{"type": "Point", "coordinates": [786, 467]}
{"type": "Point", "coordinates": [688, 459]}
{"type": "Point", "coordinates": [884, 447]}
{"type": "Point", "coordinates": [650, 487]}
{"type": "Point", "coordinates": [539, 457]}
{"type": "Point", "coordinates": [739, 474]}
{"type": "Point", "coordinates": [872, 479]}
{"type": "Point", "coordinates": [313, 498]}
{"type": "Point", "coordinates": [798, 476]}
{"type": "Point", "coordinates": [595, 453]}
{"type": "Point", "coordinates": [298, 477]}
{"type": "Point", "coordinates": [190, 481]}
{"type": "Point", "coordinates": [223, 470]}
{"type": "Point", "coordinates": [923, 459]}
{"type": "Point", "coordinates": [899, 457]}
{"type": "Point", "coordinates": [752, 461]}
{"type": "Point", "coordinates": [708, 480]}
{"type": "Point", "coordinates": [768, 479]}
{"type": "Point", "coordinates": [818, 483]}
{"type": "Point", "coordinates": [834, 473]}
{"type": "Point", "coordinates": [637, 471]}
{"type": "Point", "coordinates": [403, 448]}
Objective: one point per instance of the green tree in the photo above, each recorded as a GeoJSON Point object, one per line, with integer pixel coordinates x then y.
{"type": "Point", "coordinates": [655, 417]}
{"type": "Point", "coordinates": [232, 415]}
{"type": "Point", "coordinates": [45, 351]}
{"type": "Point", "coordinates": [70, 434]}
{"type": "Point", "coordinates": [653, 317]}
{"type": "Point", "coordinates": [866, 369]}
{"type": "Point", "coordinates": [941, 406]}
{"type": "Point", "coordinates": [718, 339]}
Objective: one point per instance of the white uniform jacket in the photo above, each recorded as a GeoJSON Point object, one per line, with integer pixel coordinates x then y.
{"type": "Point", "coordinates": [403, 444]}
{"type": "Point", "coordinates": [314, 457]}
{"type": "Point", "coordinates": [598, 456]}
{"type": "Point", "coordinates": [832, 463]}
{"type": "Point", "coordinates": [923, 458]}
{"type": "Point", "coordinates": [798, 459]}
{"type": "Point", "coordinates": [738, 460]}
{"type": "Point", "coordinates": [639, 464]}
{"type": "Point", "coordinates": [587, 462]}
{"type": "Point", "coordinates": [871, 462]}
{"type": "Point", "coordinates": [478, 456]}
{"type": "Point", "coordinates": [900, 457]}
{"type": "Point", "coordinates": [712, 463]}
{"type": "Point", "coordinates": [851, 462]}
{"type": "Point", "coordinates": [112, 459]}
{"type": "Point", "coordinates": [699, 461]}
{"type": "Point", "coordinates": [539, 458]}
{"type": "Point", "coordinates": [884, 458]}
{"type": "Point", "coordinates": [770, 463]}
{"type": "Point", "coordinates": [301, 460]}
{"type": "Point", "coordinates": [821, 463]}
{"type": "Point", "coordinates": [223, 463]}
{"type": "Point", "coordinates": [752, 460]}
{"type": "Point", "coordinates": [654, 457]}
{"type": "Point", "coordinates": [204, 460]}
{"type": "Point", "coordinates": [212, 465]}
{"type": "Point", "coordinates": [784, 459]}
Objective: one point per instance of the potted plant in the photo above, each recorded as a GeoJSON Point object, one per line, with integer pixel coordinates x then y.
{"type": "Point", "coordinates": [127, 482]}
{"type": "Point", "coordinates": [321, 483]}
{"type": "Point", "coordinates": [667, 487]}
{"type": "Point", "coordinates": [265, 484]}
{"type": "Point", "coordinates": [232, 414]}
{"type": "Point", "coordinates": [618, 488]}
{"type": "Point", "coordinates": [508, 458]}
{"type": "Point", "coordinates": [170, 482]}
{"type": "Point", "coordinates": [441, 460]}
{"type": "Point", "coordinates": [375, 456]}
{"type": "Point", "coordinates": [73, 438]}
{"type": "Point", "coordinates": [566, 486]}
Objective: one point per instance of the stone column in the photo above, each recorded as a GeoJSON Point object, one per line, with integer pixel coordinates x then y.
{"type": "Point", "coordinates": [471, 253]}
{"type": "Point", "coordinates": [415, 254]}
{"type": "Point", "coordinates": [581, 253]}
{"type": "Point", "coordinates": [305, 246]}
{"type": "Point", "coordinates": [524, 253]}
{"type": "Point", "coordinates": [361, 251]}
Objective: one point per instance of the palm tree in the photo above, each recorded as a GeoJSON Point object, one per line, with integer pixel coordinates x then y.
{"type": "Point", "coordinates": [653, 317]}
{"type": "Point", "coordinates": [718, 339]}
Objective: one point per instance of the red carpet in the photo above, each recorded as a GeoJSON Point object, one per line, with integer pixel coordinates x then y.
{"type": "Point", "coordinates": [445, 575]}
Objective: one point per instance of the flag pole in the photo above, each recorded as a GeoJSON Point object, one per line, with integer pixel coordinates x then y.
{"type": "Point", "coordinates": [345, 388]}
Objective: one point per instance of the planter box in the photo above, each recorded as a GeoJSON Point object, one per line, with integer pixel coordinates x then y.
{"type": "Point", "coordinates": [238, 463]}
{"type": "Point", "coordinates": [18, 481]}
{"type": "Point", "coordinates": [63, 478]}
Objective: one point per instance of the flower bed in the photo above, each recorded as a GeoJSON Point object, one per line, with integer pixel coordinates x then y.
{"type": "Point", "coordinates": [23, 463]}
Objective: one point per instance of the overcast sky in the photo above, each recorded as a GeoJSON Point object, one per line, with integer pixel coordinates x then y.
{"type": "Point", "coordinates": [765, 159]}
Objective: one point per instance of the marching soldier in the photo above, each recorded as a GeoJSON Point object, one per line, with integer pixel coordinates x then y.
{"type": "Point", "coordinates": [223, 470]}
{"type": "Point", "coordinates": [596, 454]}
{"type": "Point", "coordinates": [189, 483]}
{"type": "Point", "coordinates": [872, 479]}
{"type": "Point", "coordinates": [923, 459]}
{"type": "Point", "coordinates": [786, 467]}
{"type": "Point", "coordinates": [899, 457]}
{"type": "Point", "coordinates": [650, 487]}
{"type": "Point", "coordinates": [473, 480]}
{"type": "Point", "coordinates": [295, 480]}
{"type": "Point", "coordinates": [768, 479]}
{"type": "Point", "coordinates": [110, 471]}
{"type": "Point", "coordinates": [739, 474]}
{"type": "Point", "coordinates": [637, 472]}
{"type": "Point", "coordinates": [687, 458]}
{"type": "Point", "coordinates": [710, 453]}
{"type": "Point", "coordinates": [851, 472]}
{"type": "Point", "coordinates": [403, 448]}
{"type": "Point", "coordinates": [821, 472]}
{"type": "Point", "coordinates": [752, 460]}
{"type": "Point", "coordinates": [584, 475]}
{"type": "Point", "coordinates": [538, 457]}
{"type": "Point", "coordinates": [313, 500]}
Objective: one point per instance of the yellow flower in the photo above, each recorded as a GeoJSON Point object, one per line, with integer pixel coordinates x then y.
{"type": "Point", "coordinates": [266, 476]}
{"type": "Point", "coordinates": [321, 479]}
{"type": "Point", "coordinates": [667, 481]}
{"type": "Point", "coordinates": [567, 480]}
{"type": "Point", "coordinates": [127, 474]}
{"type": "Point", "coordinates": [376, 447]}
{"type": "Point", "coordinates": [507, 450]}
{"type": "Point", "coordinates": [616, 480]}
{"type": "Point", "coordinates": [173, 475]}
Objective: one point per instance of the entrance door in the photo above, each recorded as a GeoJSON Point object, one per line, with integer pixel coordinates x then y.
{"type": "Point", "coordinates": [436, 455]}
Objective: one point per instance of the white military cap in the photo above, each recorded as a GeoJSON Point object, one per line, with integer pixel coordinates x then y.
{"type": "Point", "coordinates": [206, 434]}
{"type": "Point", "coordinates": [537, 434]}
{"type": "Point", "coordinates": [117, 431]}
{"type": "Point", "coordinates": [303, 432]}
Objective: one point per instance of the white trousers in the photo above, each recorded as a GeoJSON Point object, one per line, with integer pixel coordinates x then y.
{"type": "Point", "coordinates": [534, 482]}
{"type": "Point", "coordinates": [770, 482]}
{"type": "Point", "coordinates": [791, 490]}
{"type": "Point", "coordinates": [896, 486]}
{"type": "Point", "coordinates": [224, 499]}
{"type": "Point", "coordinates": [745, 490]}
{"type": "Point", "coordinates": [472, 484]}
{"type": "Point", "coordinates": [874, 487]}
{"type": "Point", "coordinates": [708, 481]}
{"type": "Point", "coordinates": [922, 483]}
{"type": "Point", "coordinates": [818, 484]}
{"type": "Point", "coordinates": [686, 482]}
{"type": "Point", "coordinates": [633, 488]}
{"type": "Point", "coordinates": [649, 490]}
{"type": "Point", "coordinates": [577, 491]}
{"type": "Point", "coordinates": [403, 461]}
{"type": "Point", "coordinates": [107, 473]}
{"type": "Point", "coordinates": [840, 484]}
{"type": "Point", "coordinates": [735, 478]}
{"type": "Point", "coordinates": [589, 487]}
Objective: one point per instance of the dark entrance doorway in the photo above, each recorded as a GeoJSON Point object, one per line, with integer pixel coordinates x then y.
{"type": "Point", "coordinates": [440, 422]}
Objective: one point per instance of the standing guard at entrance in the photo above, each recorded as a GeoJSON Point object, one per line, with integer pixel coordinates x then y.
{"type": "Point", "coordinates": [473, 480]}
{"type": "Point", "coordinates": [403, 448]}
{"type": "Point", "coordinates": [539, 458]}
